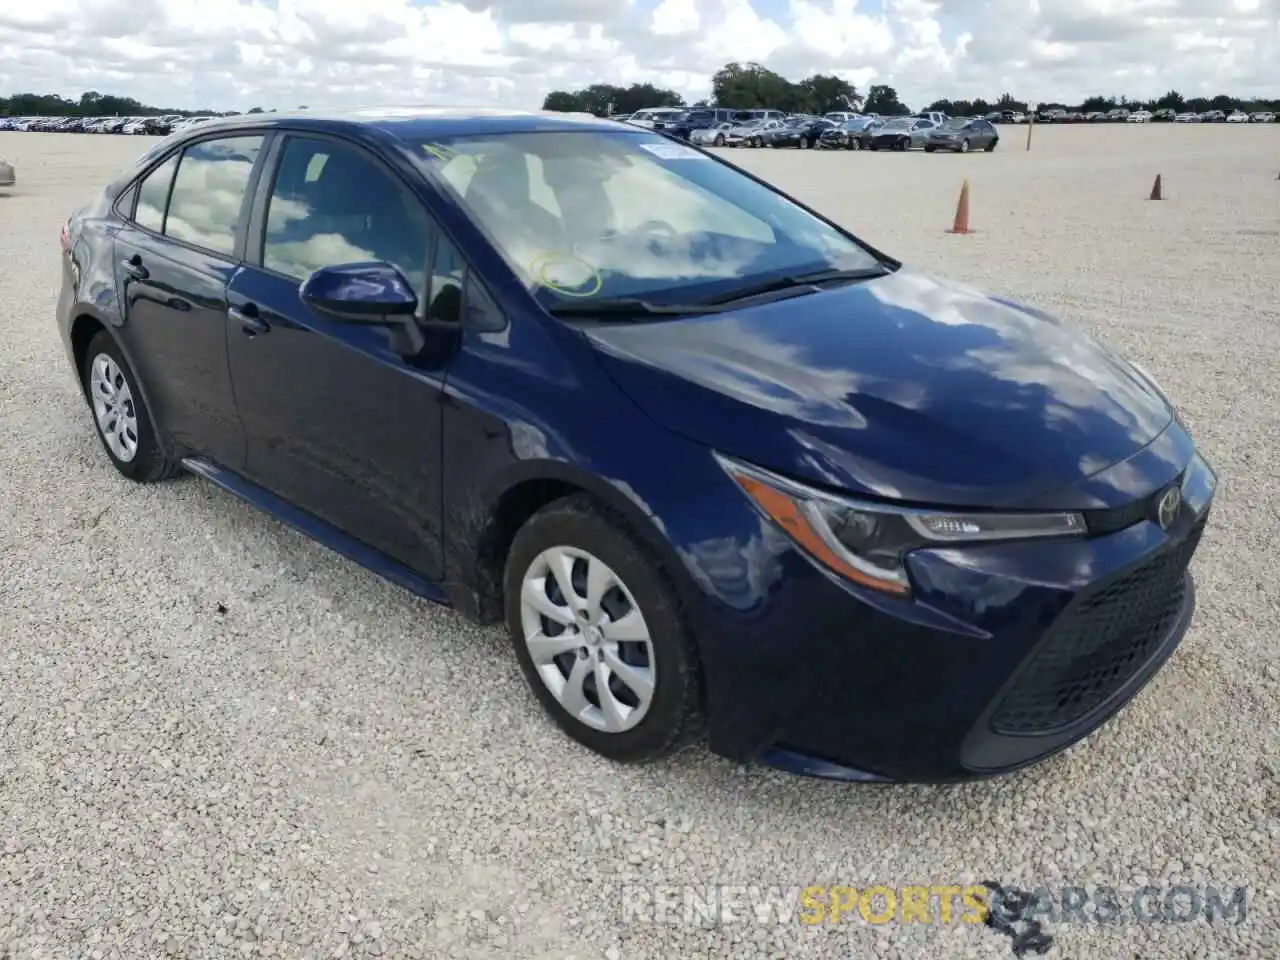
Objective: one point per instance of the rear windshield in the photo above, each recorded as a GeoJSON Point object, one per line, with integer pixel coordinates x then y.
{"type": "Point", "coordinates": [585, 214]}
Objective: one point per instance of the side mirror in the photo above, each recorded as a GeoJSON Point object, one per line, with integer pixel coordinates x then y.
{"type": "Point", "coordinates": [373, 292]}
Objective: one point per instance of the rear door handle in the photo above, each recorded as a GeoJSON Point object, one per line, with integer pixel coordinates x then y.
{"type": "Point", "coordinates": [247, 316]}
{"type": "Point", "coordinates": [134, 268]}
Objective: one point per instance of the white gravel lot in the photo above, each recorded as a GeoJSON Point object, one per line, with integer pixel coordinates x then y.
{"type": "Point", "coordinates": [219, 739]}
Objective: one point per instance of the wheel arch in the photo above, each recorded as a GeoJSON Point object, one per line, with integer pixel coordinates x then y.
{"type": "Point", "coordinates": [481, 540]}
{"type": "Point", "coordinates": [84, 328]}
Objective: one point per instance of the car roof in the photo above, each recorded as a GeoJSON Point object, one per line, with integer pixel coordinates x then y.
{"type": "Point", "coordinates": [416, 122]}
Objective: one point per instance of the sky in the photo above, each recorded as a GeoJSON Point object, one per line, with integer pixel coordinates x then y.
{"type": "Point", "coordinates": [236, 54]}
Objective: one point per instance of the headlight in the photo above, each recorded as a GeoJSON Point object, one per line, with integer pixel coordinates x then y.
{"type": "Point", "coordinates": [867, 542]}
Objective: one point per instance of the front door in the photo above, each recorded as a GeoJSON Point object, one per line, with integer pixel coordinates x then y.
{"type": "Point", "coordinates": [336, 420]}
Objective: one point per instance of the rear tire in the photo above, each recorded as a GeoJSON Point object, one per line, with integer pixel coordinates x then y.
{"type": "Point", "coordinates": [991, 146]}
{"type": "Point", "coordinates": [930, 149]}
{"type": "Point", "coordinates": [583, 540]}
{"type": "Point", "coordinates": [964, 145]}
{"type": "Point", "coordinates": [719, 139]}
{"type": "Point", "coordinates": [804, 143]}
{"type": "Point", "coordinates": [120, 415]}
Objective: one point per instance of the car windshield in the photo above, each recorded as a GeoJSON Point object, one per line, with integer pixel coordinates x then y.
{"type": "Point", "coordinates": [587, 214]}
{"type": "Point", "coordinates": [955, 123]}
{"type": "Point", "coordinates": [896, 125]}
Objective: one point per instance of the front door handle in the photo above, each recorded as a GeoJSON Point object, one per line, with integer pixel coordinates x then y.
{"type": "Point", "coordinates": [134, 267]}
{"type": "Point", "coordinates": [247, 316]}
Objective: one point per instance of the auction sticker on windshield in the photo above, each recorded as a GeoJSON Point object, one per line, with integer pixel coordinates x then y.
{"type": "Point", "coordinates": [673, 151]}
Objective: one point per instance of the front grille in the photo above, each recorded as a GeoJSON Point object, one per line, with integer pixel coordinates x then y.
{"type": "Point", "coordinates": [1096, 645]}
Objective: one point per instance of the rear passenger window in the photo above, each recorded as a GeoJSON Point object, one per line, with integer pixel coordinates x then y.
{"type": "Point", "coordinates": [209, 190]}
{"type": "Point", "coordinates": [153, 195]}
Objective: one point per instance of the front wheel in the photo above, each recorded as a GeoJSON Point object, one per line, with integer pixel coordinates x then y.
{"type": "Point", "coordinates": [123, 422]}
{"type": "Point", "coordinates": [719, 139]}
{"type": "Point", "coordinates": [930, 149]}
{"type": "Point", "coordinates": [991, 146]}
{"type": "Point", "coordinates": [804, 143]}
{"type": "Point", "coordinates": [904, 144]}
{"type": "Point", "coordinates": [964, 145]}
{"type": "Point", "coordinates": [598, 633]}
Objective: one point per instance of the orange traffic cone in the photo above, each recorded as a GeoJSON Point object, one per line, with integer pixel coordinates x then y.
{"type": "Point", "coordinates": [1156, 191]}
{"type": "Point", "coordinates": [961, 224]}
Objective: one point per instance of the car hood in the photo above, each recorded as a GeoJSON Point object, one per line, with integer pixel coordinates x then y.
{"type": "Point", "coordinates": [907, 387]}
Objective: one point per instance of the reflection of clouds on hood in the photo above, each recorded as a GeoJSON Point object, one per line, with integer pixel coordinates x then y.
{"type": "Point", "coordinates": [728, 356]}
{"type": "Point", "coordinates": [1075, 376]}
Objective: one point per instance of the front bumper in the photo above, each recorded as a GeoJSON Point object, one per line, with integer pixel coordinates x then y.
{"type": "Point", "coordinates": [1007, 654]}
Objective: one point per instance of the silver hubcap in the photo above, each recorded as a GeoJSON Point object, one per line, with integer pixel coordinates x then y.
{"type": "Point", "coordinates": [113, 407]}
{"type": "Point", "coordinates": [587, 639]}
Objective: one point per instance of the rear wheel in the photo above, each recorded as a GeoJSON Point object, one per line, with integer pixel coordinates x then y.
{"type": "Point", "coordinates": [719, 139]}
{"type": "Point", "coordinates": [904, 144]}
{"type": "Point", "coordinates": [964, 145]}
{"type": "Point", "coordinates": [598, 633]}
{"type": "Point", "coordinates": [992, 145]}
{"type": "Point", "coordinates": [119, 413]}
{"type": "Point", "coordinates": [804, 143]}
{"type": "Point", "coordinates": [930, 149]}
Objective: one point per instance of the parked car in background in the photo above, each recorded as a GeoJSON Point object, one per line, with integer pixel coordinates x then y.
{"type": "Point", "coordinates": [1164, 115]}
{"type": "Point", "coordinates": [1213, 116]}
{"type": "Point", "coordinates": [684, 124]}
{"type": "Point", "coordinates": [1237, 116]}
{"type": "Point", "coordinates": [1139, 116]}
{"type": "Point", "coordinates": [1052, 115]}
{"type": "Point", "coordinates": [1095, 116]}
{"type": "Point", "coordinates": [962, 134]}
{"type": "Point", "coordinates": [1118, 115]}
{"type": "Point", "coordinates": [933, 116]}
{"type": "Point", "coordinates": [1264, 116]}
{"type": "Point", "coordinates": [752, 133]}
{"type": "Point", "coordinates": [716, 136]}
{"type": "Point", "coordinates": [1015, 116]}
{"type": "Point", "coordinates": [850, 135]}
{"type": "Point", "coordinates": [1187, 118]}
{"type": "Point", "coordinates": [647, 118]}
{"type": "Point", "coordinates": [901, 133]}
{"type": "Point", "coordinates": [803, 133]}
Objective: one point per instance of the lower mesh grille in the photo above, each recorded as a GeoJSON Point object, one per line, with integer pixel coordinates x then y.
{"type": "Point", "coordinates": [1096, 645]}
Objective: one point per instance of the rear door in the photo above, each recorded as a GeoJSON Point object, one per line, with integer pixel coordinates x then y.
{"type": "Point", "coordinates": [174, 257]}
{"type": "Point", "coordinates": [337, 421]}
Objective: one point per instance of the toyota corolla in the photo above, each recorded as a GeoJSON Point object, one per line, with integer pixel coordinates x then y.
{"type": "Point", "coordinates": [719, 465]}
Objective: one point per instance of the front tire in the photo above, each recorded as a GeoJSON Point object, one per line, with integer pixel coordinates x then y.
{"type": "Point", "coordinates": [120, 415]}
{"type": "Point", "coordinates": [599, 634]}
{"type": "Point", "coordinates": [804, 143]}
{"type": "Point", "coordinates": [964, 145]}
{"type": "Point", "coordinates": [719, 139]}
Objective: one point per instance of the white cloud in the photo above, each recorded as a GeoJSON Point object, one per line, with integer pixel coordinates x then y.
{"type": "Point", "coordinates": [234, 54]}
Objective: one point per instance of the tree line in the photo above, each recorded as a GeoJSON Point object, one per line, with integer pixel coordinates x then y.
{"type": "Point", "coordinates": [744, 86]}
{"type": "Point", "coordinates": [90, 104]}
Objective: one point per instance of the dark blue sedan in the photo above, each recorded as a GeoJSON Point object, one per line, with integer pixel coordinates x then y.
{"type": "Point", "coordinates": [719, 465]}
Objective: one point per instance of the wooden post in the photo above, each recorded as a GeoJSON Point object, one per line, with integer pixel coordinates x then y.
{"type": "Point", "coordinates": [1031, 122]}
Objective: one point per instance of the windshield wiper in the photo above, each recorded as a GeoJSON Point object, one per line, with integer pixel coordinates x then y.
{"type": "Point", "coordinates": [628, 307]}
{"type": "Point", "coordinates": [804, 280]}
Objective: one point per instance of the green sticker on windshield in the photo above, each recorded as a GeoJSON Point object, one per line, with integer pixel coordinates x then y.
{"type": "Point", "coordinates": [439, 151]}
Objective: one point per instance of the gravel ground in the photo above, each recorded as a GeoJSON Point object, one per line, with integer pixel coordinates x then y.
{"type": "Point", "coordinates": [218, 739]}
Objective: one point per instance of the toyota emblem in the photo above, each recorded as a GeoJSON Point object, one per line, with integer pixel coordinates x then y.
{"type": "Point", "coordinates": [1167, 511]}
